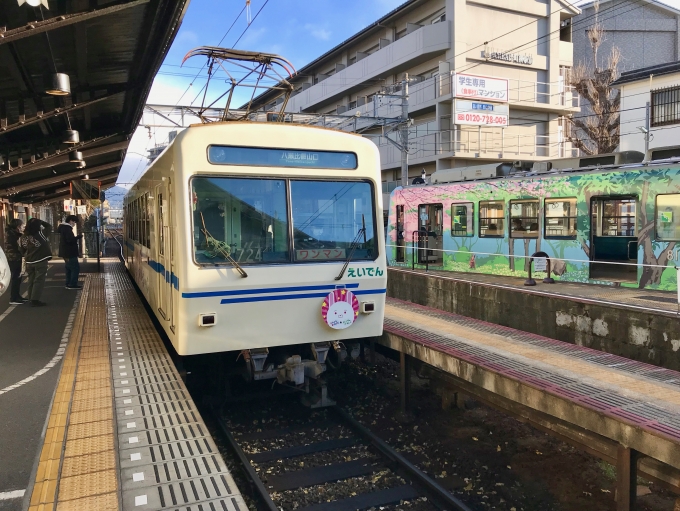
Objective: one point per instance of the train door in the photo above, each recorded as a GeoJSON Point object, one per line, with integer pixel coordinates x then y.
{"type": "Point", "coordinates": [431, 221]}
{"type": "Point", "coordinates": [163, 270]}
{"type": "Point", "coordinates": [613, 238]}
{"type": "Point", "coordinates": [170, 246]}
{"type": "Point", "coordinates": [401, 245]}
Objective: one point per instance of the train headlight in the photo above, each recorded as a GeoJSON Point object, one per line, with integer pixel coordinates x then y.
{"type": "Point", "coordinates": [367, 307]}
{"type": "Point", "coordinates": [209, 319]}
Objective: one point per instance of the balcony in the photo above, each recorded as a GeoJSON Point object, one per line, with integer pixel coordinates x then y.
{"type": "Point", "coordinates": [523, 94]}
{"type": "Point", "coordinates": [410, 50]}
{"type": "Point", "coordinates": [487, 143]}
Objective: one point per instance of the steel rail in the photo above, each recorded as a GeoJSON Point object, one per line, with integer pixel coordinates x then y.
{"type": "Point", "coordinates": [421, 478]}
{"type": "Point", "coordinates": [250, 470]}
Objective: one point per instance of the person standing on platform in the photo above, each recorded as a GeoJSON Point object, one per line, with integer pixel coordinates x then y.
{"type": "Point", "coordinates": [35, 247]}
{"type": "Point", "coordinates": [14, 232]}
{"type": "Point", "coordinates": [68, 249]}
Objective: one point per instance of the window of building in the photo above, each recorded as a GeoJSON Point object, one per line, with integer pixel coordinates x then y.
{"type": "Point", "coordinates": [666, 106]}
{"type": "Point", "coordinates": [565, 30]}
{"type": "Point", "coordinates": [462, 219]}
{"type": "Point", "coordinates": [560, 218]}
{"type": "Point", "coordinates": [492, 219]}
{"type": "Point", "coordinates": [439, 18]}
{"type": "Point", "coordinates": [668, 217]}
{"type": "Point", "coordinates": [352, 105]}
{"type": "Point", "coordinates": [524, 218]}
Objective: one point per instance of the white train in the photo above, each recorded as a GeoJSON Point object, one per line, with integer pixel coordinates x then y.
{"type": "Point", "coordinates": [261, 239]}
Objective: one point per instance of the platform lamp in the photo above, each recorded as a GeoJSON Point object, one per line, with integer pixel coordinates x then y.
{"type": "Point", "coordinates": [77, 157]}
{"type": "Point", "coordinates": [71, 136]}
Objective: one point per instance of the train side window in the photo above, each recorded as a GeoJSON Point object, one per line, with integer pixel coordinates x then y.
{"type": "Point", "coordinates": [462, 215]}
{"type": "Point", "coordinates": [559, 218]}
{"type": "Point", "coordinates": [491, 219]}
{"type": "Point", "coordinates": [524, 218]}
{"type": "Point", "coordinates": [668, 217]}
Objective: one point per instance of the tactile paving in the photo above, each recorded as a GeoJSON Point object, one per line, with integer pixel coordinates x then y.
{"type": "Point", "coordinates": [166, 456]}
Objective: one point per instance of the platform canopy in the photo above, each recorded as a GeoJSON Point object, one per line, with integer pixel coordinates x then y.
{"type": "Point", "coordinates": [110, 52]}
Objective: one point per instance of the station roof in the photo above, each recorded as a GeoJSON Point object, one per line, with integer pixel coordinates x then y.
{"type": "Point", "coordinates": [111, 51]}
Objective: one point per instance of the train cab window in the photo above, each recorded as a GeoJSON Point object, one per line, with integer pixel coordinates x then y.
{"type": "Point", "coordinates": [560, 218]}
{"type": "Point", "coordinates": [242, 219]}
{"type": "Point", "coordinates": [524, 218]}
{"type": "Point", "coordinates": [461, 219]}
{"type": "Point", "coordinates": [327, 220]}
{"type": "Point", "coordinates": [491, 219]}
{"type": "Point", "coordinates": [668, 217]}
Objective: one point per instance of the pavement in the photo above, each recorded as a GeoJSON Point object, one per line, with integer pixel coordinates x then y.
{"type": "Point", "coordinates": [29, 340]}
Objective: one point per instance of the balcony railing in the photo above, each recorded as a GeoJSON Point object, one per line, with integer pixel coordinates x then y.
{"type": "Point", "coordinates": [520, 93]}
{"type": "Point", "coordinates": [482, 143]}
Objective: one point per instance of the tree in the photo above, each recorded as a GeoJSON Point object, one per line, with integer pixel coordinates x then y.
{"type": "Point", "coordinates": [598, 132]}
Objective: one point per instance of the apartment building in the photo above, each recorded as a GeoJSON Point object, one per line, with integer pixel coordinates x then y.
{"type": "Point", "coordinates": [485, 81]}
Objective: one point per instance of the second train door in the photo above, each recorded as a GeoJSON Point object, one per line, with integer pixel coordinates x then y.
{"type": "Point", "coordinates": [431, 221]}
{"type": "Point", "coordinates": [614, 242]}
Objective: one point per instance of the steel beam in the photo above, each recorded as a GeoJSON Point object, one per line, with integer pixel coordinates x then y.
{"type": "Point", "coordinates": [38, 27]}
{"type": "Point", "coordinates": [13, 190]}
{"type": "Point", "coordinates": [626, 478]}
{"type": "Point", "coordinates": [41, 116]}
{"type": "Point", "coordinates": [62, 157]}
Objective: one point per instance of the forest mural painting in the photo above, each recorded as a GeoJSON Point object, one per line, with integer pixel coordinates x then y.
{"type": "Point", "coordinates": [570, 256]}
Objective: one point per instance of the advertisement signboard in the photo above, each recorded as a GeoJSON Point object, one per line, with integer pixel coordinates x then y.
{"type": "Point", "coordinates": [478, 113]}
{"type": "Point", "coordinates": [481, 87]}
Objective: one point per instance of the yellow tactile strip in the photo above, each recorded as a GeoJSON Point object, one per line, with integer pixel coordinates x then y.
{"type": "Point", "coordinates": [77, 468]}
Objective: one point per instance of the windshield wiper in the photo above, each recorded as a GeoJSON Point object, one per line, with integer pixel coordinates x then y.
{"type": "Point", "coordinates": [353, 247]}
{"type": "Point", "coordinates": [221, 248]}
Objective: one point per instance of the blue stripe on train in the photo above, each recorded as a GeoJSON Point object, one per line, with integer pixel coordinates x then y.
{"type": "Point", "coordinates": [208, 294]}
{"type": "Point", "coordinates": [296, 297]}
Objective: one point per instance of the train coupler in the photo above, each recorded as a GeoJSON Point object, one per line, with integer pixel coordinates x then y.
{"type": "Point", "coordinates": [316, 394]}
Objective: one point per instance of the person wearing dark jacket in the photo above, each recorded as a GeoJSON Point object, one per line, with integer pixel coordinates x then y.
{"type": "Point", "coordinates": [68, 249]}
{"type": "Point", "coordinates": [35, 247]}
{"type": "Point", "coordinates": [14, 231]}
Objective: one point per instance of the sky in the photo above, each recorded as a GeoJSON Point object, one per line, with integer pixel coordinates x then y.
{"type": "Point", "coordinates": [299, 30]}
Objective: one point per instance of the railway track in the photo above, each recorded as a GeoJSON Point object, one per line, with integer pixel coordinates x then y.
{"type": "Point", "coordinates": [328, 462]}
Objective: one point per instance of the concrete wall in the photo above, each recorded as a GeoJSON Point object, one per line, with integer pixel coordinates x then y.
{"type": "Point", "coordinates": [651, 338]}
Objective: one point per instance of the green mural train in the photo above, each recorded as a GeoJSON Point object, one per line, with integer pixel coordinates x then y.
{"type": "Point", "coordinates": [606, 226]}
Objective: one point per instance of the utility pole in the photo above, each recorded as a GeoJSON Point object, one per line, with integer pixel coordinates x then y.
{"type": "Point", "coordinates": [404, 130]}
{"type": "Point", "coordinates": [647, 128]}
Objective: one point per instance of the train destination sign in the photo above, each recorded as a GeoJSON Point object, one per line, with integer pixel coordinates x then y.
{"type": "Point", "coordinates": [266, 157]}
{"type": "Point", "coordinates": [481, 87]}
{"type": "Point", "coordinates": [480, 114]}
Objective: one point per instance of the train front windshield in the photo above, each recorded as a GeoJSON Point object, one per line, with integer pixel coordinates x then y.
{"type": "Point", "coordinates": [251, 220]}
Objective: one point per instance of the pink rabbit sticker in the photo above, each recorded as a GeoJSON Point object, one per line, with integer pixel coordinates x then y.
{"type": "Point", "coordinates": [339, 309]}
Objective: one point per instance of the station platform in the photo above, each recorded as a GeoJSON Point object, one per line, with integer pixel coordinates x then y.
{"type": "Point", "coordinates": [615, 408]}
{"type": "Point", "coordinates": [106, 422]}
{"type": "Point", "coordinates": [638, 324]}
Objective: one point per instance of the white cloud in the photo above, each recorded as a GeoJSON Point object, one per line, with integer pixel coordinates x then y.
{"type": "Point", "coordinates": [318, 32]}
